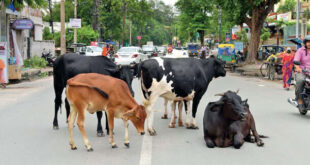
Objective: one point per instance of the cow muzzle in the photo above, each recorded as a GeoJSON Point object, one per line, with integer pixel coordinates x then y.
{"type": "Point", "coordinates": [142, 133]}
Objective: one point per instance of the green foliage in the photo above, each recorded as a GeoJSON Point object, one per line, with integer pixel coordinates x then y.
{"type": "Point", "coordinates": [44, 74]}
{"type": "Point", "coordinates": [86, 34]}
{"type": "Point", "coordinates": [288, 6]}
{"type": "Point", "coordinates": [19, 4]}
{"type": "Point", "coordinates": [35, 62]}
{"type": "Point", "coordinates": [47, 35]}
{"type": "Point", "coordinates": [243, 36]}
{"type": "Point", "coordinates": [265, 34]}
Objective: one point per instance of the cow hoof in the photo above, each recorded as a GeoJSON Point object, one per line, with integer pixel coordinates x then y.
{"type": "Point", "coordinates": [127, 145]}
{"type": "Point", "coordinates": [164, 117]}
{"type": "Point", "coordinates": [114, 146]}
{"type": "Point", "coordinates": [171, 125]}
{"type": "Point", "coordinates": [181, 124]}
{"type": "Point", "coordinates": [100, 134]}
{"type": "Point", "coordinates": [90, 150]}
{"type": "Point", "coordinates": [152, 132]}
{"type": "Point", "coordinates": [73, 148]}
{"type": "Point", "coordinates": [56, 127]}
{"type": "Point", "coordinates": [260, 143]}
{"type": "Point", "coordinates": [192, 127]}
{"type": "Point", "coordinates": [209, 145]}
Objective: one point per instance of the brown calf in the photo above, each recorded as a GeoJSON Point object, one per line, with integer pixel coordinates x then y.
{"type": "Point", "coordinates": [96, 92]}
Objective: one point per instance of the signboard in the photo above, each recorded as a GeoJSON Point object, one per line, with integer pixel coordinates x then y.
{"type": "Point", "coordinates": [227, 37]}
{"type": "Point", "coordinates": [75, 23]}
{"type": "Point", "coordinates": [21, 24]}
{"type": "Point", "coordinates": [284, 17]}
{"type": "Point", "coordinates": [139, 37]}
{"type": "Point", "coordinates": [93, 43]}
{"type": "Point", "coordinates": [234, 30]}
{"type": "Point", "coordinates": [238, 46]}
{"type": "Point", "coordinates": [3, 57]}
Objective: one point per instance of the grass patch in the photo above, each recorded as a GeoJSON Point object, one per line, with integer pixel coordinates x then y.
{"type": "Point", "coordinates": [35, 62]}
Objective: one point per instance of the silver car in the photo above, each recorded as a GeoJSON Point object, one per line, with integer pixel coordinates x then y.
{"type": "Point", "coordinates": [129, 55]}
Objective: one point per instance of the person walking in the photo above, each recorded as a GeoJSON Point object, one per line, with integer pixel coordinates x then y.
{"type": "Point", "coordinates": [105, 51]}
{"type": "Point", "coordinates": [287, 67]}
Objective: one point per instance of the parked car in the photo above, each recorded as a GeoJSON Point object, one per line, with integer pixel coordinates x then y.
{"type": "Point", "coordinates": [162, 50]}
{"type": "Point", "coordinates": [150, 50]}
{"type": "Point", "coordinates": [79, 48]}
{"type": "Point", "coordinates": [129, 55]}
{"type": "Point", "coordinates": [180, 51]}
{"type": "Point", "coordinates": [93, 51]}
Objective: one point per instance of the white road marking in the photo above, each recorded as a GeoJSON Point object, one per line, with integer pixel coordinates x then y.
{"type": "Point", "coordinates": [146, 149]}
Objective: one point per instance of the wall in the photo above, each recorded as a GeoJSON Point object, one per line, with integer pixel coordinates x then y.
{"type": "Point", "coordinates": [37, 47]}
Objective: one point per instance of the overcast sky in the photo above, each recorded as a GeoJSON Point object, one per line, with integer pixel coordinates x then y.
{"type": "Point", "coordinates": [170, 2]}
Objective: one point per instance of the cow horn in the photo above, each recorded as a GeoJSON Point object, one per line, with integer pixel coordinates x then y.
{"type": "Point", "coordinates": [220, 94]}
{"type": "Point", "coordinates": [237, 91]}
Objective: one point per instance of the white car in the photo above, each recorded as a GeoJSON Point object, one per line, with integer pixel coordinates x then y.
{"type": "Point", "coordinates": [93, 51]}
{"type": "Point", "coordinates": [129, 55]}
{"type": "Point", "coordinates": [180, 52]}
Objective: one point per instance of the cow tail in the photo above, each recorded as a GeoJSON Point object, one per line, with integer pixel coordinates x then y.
{"type": "Point", "coordinates": [101, 92]}
{"type": "Point", "coordinates": [71, 82]}
{"type": "Point", "coordinates": [263, 136]}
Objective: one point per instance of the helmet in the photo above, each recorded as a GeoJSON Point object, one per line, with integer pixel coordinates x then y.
{"type": "Point", "coordinates": [306, 39]}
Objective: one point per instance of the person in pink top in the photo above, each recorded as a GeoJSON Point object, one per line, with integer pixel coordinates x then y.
{"type": "Point", "coordinates": [303, 57]}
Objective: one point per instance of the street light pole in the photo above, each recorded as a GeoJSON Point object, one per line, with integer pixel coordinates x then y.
{"type": "Point", "coordinates": [297, 19]}
{"type": "Point", "coordinates": [62, 28]}
{"type": "Point", "coordinates": [220, 23]}
{"type": "Point", "coordinates": [75, 16]}
{"type": "Point", "coordinates": [130, 33]}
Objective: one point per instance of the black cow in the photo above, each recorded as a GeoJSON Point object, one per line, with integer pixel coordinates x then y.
{"type": "Point", "coordinates": [183, 79]}
{"type": "Point", "coordinates": [70, 65]}
{"type": "Point", "coordinates": [229, 122]}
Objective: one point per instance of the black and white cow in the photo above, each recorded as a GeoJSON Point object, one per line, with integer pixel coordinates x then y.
{"type": "Point", "coordinates": [183, 79]}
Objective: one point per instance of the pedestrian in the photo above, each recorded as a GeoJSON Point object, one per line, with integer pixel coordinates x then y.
{"type": "Point", "coordinates": [105, 51]}
{"type": "Point", "coordinates": [2, 79]}
{"type": "Point", "coordinates": [287, 67]}
{"type": "Point", "coordinates": [203, 52]}
{"type": "Point", "coordinates": [170, 49]}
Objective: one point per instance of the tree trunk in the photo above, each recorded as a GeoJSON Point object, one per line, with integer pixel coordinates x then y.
{"type": "Point", "coordinates": [257, 22]}
{"type": "Point", "coordinates": [201, 35]}
{"type": "Point", "coordinates": [95, 15]}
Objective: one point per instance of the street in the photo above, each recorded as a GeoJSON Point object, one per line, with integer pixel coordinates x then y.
{"type": "Point", "coordinates": [27, 137]}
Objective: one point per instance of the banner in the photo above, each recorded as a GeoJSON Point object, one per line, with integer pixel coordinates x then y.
{"type": "Point", "coordinates": [75, 23]}
{"type": "Point", "coordinates": [3, 57]}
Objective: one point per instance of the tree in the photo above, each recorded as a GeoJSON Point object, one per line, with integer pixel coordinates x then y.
{"type": "Point", "coordinates": [21, 3]}
{"type": "Point", "coordinates": [289, 5]}
{"type": "Point", "coordinates": [251, 12]}
{"type": "Point", "coordinates": [194, 16]}
{"type": "Point", "coordinates": [47, 35]}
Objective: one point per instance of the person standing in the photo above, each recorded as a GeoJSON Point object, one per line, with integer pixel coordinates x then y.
{"type": "Point", "coordinates": [105, 51]}
{"type": "Point", "coordinates": [2, 79]}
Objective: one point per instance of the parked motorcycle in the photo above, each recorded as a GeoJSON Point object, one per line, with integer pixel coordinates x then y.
{"type": "Point", "coordinates": [48, 57]}
{"type": "Point", "coordinates": [304, 95]}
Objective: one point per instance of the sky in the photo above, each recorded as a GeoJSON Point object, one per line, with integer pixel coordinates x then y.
{"type": "Point", "coordinates": [170, 2]}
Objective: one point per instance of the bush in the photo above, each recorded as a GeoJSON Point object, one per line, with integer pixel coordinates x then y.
{"type": "Point", "coordinates": [35, 62]}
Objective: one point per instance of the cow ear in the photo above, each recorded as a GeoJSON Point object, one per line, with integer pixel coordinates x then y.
{"type": "Point", "coordinates": [245, 101]}
{"type": "Point", "coordinates": [129, 113]}
{"type": "Point", "coordinates": [119, 66]}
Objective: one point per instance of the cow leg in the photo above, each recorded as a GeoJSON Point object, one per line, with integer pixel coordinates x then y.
{"type": "Point", "coordinates": [238, 140]}
{"type": "Point", "coordinates": [111, 127]}
{"type": "Point", "coordinates": [165, 116]}
{"type": "Point", "coordinates": [126, 133]}
{"type": "Point", "coordinates": [80, 123]}
{"type": "Point", "coordinates": [67, 108]}
{"type": "Point", "coordinates": [208, 140]}
{"type": "Point", "coordinates": [196, 101]}
{"type": "Point", "coordinates": [180, 106]}
{"type": "Point", "coordinates": [106, 123]}
{"type": "Point", "coordinates": [58, 92]}
{"type": "Point", "coordinates": [100, 132]}
{"type": "Point", "coordinates": [259, 142]}
{"type": "Point", "coordinates": [72, 118]}
{"type": "Point", "coordinates": [149, 112]}
{"type": "Point", "coordinates": [188, 115]}
{"type": "Point", "coordinates": [172, 122]}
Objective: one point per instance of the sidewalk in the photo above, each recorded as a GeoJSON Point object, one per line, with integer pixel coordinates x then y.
{"type": "Point", "coordinates": [253, 70]}
{"type": "Point", "coordinates": [32, 74]}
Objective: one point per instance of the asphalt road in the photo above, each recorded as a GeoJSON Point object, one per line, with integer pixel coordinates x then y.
{"type": "Point", "coordinates": [27, 137]}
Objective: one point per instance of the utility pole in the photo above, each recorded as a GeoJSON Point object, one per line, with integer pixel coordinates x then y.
{"type": "Point", "coordinates": [95, 16]}
{"type": "Point", "coordinates": [124, 21]}
{"type": "Point", "coordinates": [51, 15]}
{"type": "Point", "coordinates": [220, 23]}
{"type": "Point", "coordinates": [75, 15]}
{"type": "Point", "coordinates": [297, 19]}
{"type": "Point", "coordinates": [62, 29]}
{"type": "Point", "coordinates": [130, 33]}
